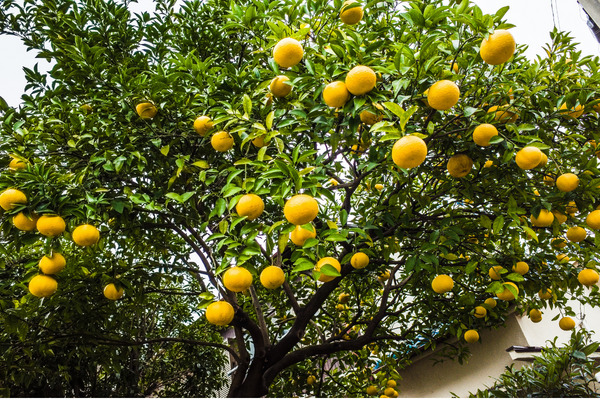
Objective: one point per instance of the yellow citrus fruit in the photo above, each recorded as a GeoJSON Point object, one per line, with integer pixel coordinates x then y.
{"type": "Point", "coordinates": [51, 225]}
{"type": "Point", "coordinates": [372, 390]}
{"type": "Point", "coordinates": [336, 94]}
{"type": "Point", "coordinates": [112, 293]}
{"type": "Point", "coordinates": [572, 113]}
{"type": "Point", "coordinates": [299, 235]}
{"type": "Point", "coordinates": [593, 219]}
{"type": "Point", "coordinates": [272, 277]}
{"type": "Point", "coordinates": [588, 277]}
{"type": "Point", "coordinates": [202, 125]}
{"type": "Point", "coordinates": [301, 209]}
{"type": "Point", "coordinates": [384, 276]}
{"type": "Point", "coordinates": [483, 133]}
{"type": "Point", "coordinates": [506, 294]}
{"type": "Point", "coordinates": [545, 294]}
{"type": "Point", "coordinates": [311, 380]}
{"type": "Point", "coordinates": [521, 268]}
{"type": "Point", "coordinates": [459, 165]}
{"type": "Point", "coordinates": [17, 164]}
{"type": "Point", "coordinates": [502, 114]}
{"type": "Point", "coordinates": [494, 272]}
{"type": "Point", "coordinates": [576, 234]}
{"type": "Point", "coordinates": [53, 264]}
{"type": "Point", "coordinates": [567, 182]}
{"type": "Point", "coordinates": [443, 95]}
{"type": "Point", "coordinates": [562, 258]}
{"type": "Point", "coordinates": [528, 157]}
{"type": "Point", "coordinates": [25, 223]}
{"type": "Point", "coordinates": [548, 180]}
{"type": "Point", "coordinates": [146, 110]}
{"type": "Point", "coordinates": [490, 302]}
{"type": "Point", "coordinates": [279, 87]}
{"type": "Point", "coordinates": [10, 198]}
{"type": "Point", "coordinates": [360, 80]}
{"type": "Point", "coordinates": [259, 141]}
{"type": "Point", "coordinates": [543, 220]}
{"type": "Point", "coordinates": [343, 298]}
{"type": "Point", "coordinates": [560, 217]}
{"type": "Point", "coordinates": [237, 279]}
{"type": "Point", "coordinates": [221, 141]}
{"type": "Point", "coordinates": [442, 284]}
{"type": "Point", "coordinates": [351, 16]}
{"type": "Point", "coordinates": [454, 68]}
{"type": "Point", "coordinates": [535, 315]}
{"type": "Point", "coordinates": [571, 208]}
{"type": "Point", "coordinates": [288, 52]}
{"type": "Point", "coordinates": [480, 312]}
{"type": "Point", "coordinates": [543, 161]}
{"type": "Point", "coordinates": [220, 313]}
{"type": "Point", "coordinates": [389, 392]}
{"type": "Point", "coordinates": [331, 261]}
{"type": "Point", "coordinates": [251, 206]}
{"type": "Point", "coordinates": [566, 324]}
{"type": "Point", "coordinates": [498, 48]}
{"type": "Point", "coordinates": [42, 286]}
{"type": "Point", "coordinates": [488, 164]}
{"type": "Point", "coordinates": [391, 383]}
{"type": "Point", "coordinates": [359, 260]}
{"type": "Point", "coordinates": [559, 243]}
{"type": "Point", "coordinates": [379, 186]}
{"type": "Point", "coordinates": [369, 118]}
{"type": "Point", "coordinates": [471, 336]}
{"type": "Point", "coordinates": [86, 235]}
{"type": "Point", "coordinates": [409, 151]}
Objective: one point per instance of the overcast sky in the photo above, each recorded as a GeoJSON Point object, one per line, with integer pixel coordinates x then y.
{"type": "Point", "coordinates": [533, 20]}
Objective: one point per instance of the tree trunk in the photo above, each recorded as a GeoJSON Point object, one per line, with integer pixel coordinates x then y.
{"type": "Point", "coordinates": [253, 384]}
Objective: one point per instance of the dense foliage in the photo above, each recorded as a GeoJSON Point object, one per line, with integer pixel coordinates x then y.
{"type": "Point", "coordinates": [164, 199]}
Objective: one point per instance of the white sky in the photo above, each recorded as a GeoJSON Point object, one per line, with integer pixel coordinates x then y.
{"type": "Point", "coordinates": [533, 20]}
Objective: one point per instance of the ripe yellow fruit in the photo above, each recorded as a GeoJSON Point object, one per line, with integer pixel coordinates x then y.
{"type": "Point", "coordinates": [299, 235]}
{"type": "Point", "coordinates": [442, 284]}
{"type": "Point", "coordinates": [86, 235]}
{"type": "Point", "coordinates": [567, 182]}
{"type": "Point", "coordinates": [10, 198]}
{"type": "Point", "coordinates": [506, 294]}
{"type": "Point", "coordinates": [53, 264]}
{"type": "Point", "coordinates": [42, 286]}
{"type": "Point", "coordinates": [572, 113]}
{"type": "Point", "coordinates": [535, 315]}
{"type": "Point", "coordinates": [560, 217]}
{"type": "Point", "coordinates": [562, 258]}
{"type": "Point", "coordinates": [528, 157]}
{"type": "Point", "coordinates": [360, 80]}
{"type": "Point", "coordinates": [369, 118]}
{"type": "Point", "coordinates": [301, 209]}
{"type": "Point", "coordinates": [391, 384]}
{"type": "Point", "coordinates": [494, 273]}
{"type": "Point", "coordinates": [459, 165]}
{"type": "Point", "coordinates": [279, 87]}
{"type": "Point", "coordinates": [576, 234]}
{"type": "Point", "coordinates": [237, 279]}
{"type": "Point", "coordinates": [588, 277]}
{"type": "Point", "coordinates": [331, 261]}
{"type": "Point", "coordinates": [488, 164]}
{"type": "Point", "coordinates": [490, 302]}
{"type": "Point", "coordinates": [25, 223]}
{"type": "Point", "coordinates": [471, 336]}
{"type": "Point", "coordinates": [548, 180]}
{"type": "Point", "coordinates": [409, 152]}
{"type": "Point", "coordinates": [112, 293]}
{"type": "Point", "coordinates": [384, 276]}
{"type": "Point", "coordinates": [221, 141]}
{"type": "Point", "coordinates": [51, 225]}
{"type": "Point", "coordinates": [343, 298]}
{"type": "Point", "coordinates": [272, 277]}
{"type": "Point", "coordinates": [543, 220]}
{"type": "Point", "coordinates": [543, 161]}
{"type": "Point", "coordinates": [559, 243]}
{"type": "Point", "coordinates": [379, 187]}
{"type": "Point", "coordinates": [16, 164]}
{"type": "Point", "coordinates": [372, 390]}
{"type": "Point", "coordinates": [498, 48]}
{"type": "Point", "coordinates": [545, 294]}
{"type": "Point", "coordinates": [483, 133]}
{"type": "Point", "coordinates": [480, 312]}
{"type": "Point", "coordinates": [443, 95]}
{"type": "Point", "coordinates": [566, 324]}
{"type": "Point", "coordinates": [202, 125]}
{"type": "Point", "coordinates": [351, 16]}
{"type": "Point", "coordinates": [288, 52]}
{"type": "Point", "coordinates": [220, 313]}
{"type": "Point", "coordinates": [250, 206]}
{"type": "Point", "coordinates": [502, 114]}
{"type": "Point", "coordinates": [571, 208]}
{"type": "Point", "coordinates": [359, 260]}
{"type": "Point", "coordinates": [454, 68]}
{"type": "Point", "coordinates": [336, 94]}
{"type": "Point", "coordinates": [146, 110]}
{"type": "Point", "coordinates": [389, 392]}
{"type": "Point", "coordinates": [311, 380]}
{"type": "Point", "coordinates": [521, 268]}
{"type": "Point", "coordinates": [593, 219]}
{"type": "Point", "coordinates": [259, 141]}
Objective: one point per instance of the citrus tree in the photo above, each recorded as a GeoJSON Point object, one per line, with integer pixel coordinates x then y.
{"type": "Point", "coordinates": [332, 187]}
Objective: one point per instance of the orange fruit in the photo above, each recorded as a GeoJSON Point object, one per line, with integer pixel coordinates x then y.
{"type": "Point", "coordinates": [279, 87]}
{"type": "Point", "coordinates": [237, 279]}
{"type": "Point", "coordinates": [299, 235]}
{"type": "Point", "coordinates": [372, 390]}
{"type": "Point", "coordinates": [480, 312]}
{"type": "Point", "coordinates": [336, 94]}
{"type": "Point", "coordinates": [16, 164]}
{"type": "Point", "coordinates": [301, 209]}
{"type": "Point", "coordinates": [221, 141]}
{"type": "Point", "coordinates": [459, 165]}
{"type": "Point", "coordinates": [53, 264]}
{"type": "Point", "coordinates": [498, 48]}
{"type": "Point", "coordinates": [351, 16]}
{"type": "Point", "coordinates": [543, 220]}
{"type": "Point", "coordinates": [272, 277]}
{"type": "Point", "coordinates": [42, 286]}
{"type": "Point", "coordinates": [593, 219]}
{"type": "Point", "coordinates": [369, 118]}
{"type": "Point", "coordinates": [502, 114]}
{"type": "Point", "coordinates": [588, 277]}
{"type": "Point", "coordinates": [360, 80]}
{"type": "Point", "coordinates": [259, 141]}
{"type": "Point", "coordinates": [535, 315]}
{"type": "Point", "coordinates": [471, 336]}
{"type": "Point", "coordinates": [391, 383]}
{"type": "Point", "coordinates": [521, 268]}
{"type": "Point", "coordinates": [560, 217]}
{"type": "Point", "coordinates": [146, 110]}
{"type": "Point", "coordinates": [442, 284]}
{"type": "Point", "coordinates": [494, 273]}
{"type": "Point", "coordinates": [490, 302]}
{"type": "Point", "coordinates": [10, 198]}
{"type": "Point", "coordinates": [572, 113]}
{"type": "Point", "coordinates": [220, 313]}
{"type": "Point", "coordinates": [506, 294]}
{"type": "Point", "coordinates": [359, 260]}
{"type": "Point", "coordinates": [331, 261]}
{"type": "Point", "coordinates": [51, 225]}
{"type": "Point", "coordinates": [25, 223]}
{"type": "Point", "coordinates": [250, 206]}
{"type": "Point", "coordinates": [409, 152]}
{"type": "Point", "coordinates": [483, 133]}
{"type": "Point", "coordinates": [86, 235]}
{"type": "Point", "coordinates": [288, 52]}
{"type": "Point", "coordinates": [545, 294]}
{"type": "Point", "coordinates": [443, 95]}
{"type": "Point", "coordinates": [567, 182]}
{"type": "Point", "coordinates": [566, 323]}
{"type": "Point", "coordinates": [202, 125]}
{"type": "Point", "coordinates": [528, 157]}
{"type": "Point", "coordinates": [112, 293]}
{"type": "Point", "coordinates": [576, 234]}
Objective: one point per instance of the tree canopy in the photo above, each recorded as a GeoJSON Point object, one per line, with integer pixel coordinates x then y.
{"type": "Point", "coordinates": [459, 226]}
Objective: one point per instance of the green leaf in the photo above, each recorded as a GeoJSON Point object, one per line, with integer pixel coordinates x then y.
{"type": "Point", "coordinates": [329, 270]}
{"type": "Point", "coordinates": [247, 103]}
{"type": "Point", "coordinates": [165, 150]}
